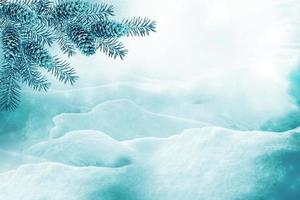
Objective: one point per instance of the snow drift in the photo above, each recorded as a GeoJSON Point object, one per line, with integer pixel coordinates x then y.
{"type": "Point", "coordinates": [187, 120]}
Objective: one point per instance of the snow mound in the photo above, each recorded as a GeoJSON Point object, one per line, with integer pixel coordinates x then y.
{"type": "Point", "coordinates": [122, 119]}
{"type": "Point", "coordinates": [219, 164]}
{"type": "Point", "coordinates": [83, 148]}
{"type": "Point", "coordinates": [54, 181]}
{"type": "Point", "coordinates": [204, 163]}
{"type": "Point", "coordinates": [12, 160]}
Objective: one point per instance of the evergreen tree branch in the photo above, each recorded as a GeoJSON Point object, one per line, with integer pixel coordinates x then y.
{"type": "Point", "coordinates": [28, 26]}
{"type": "Point", "coordinates": [18, 13]}
{"type": "Point", "coordinates": [66, 45]}
{"type": "Point", "coordinates": [41, 7]}
{"type": "Point", "coordinates": [95, 13]}
{"type": "Point", "coordinates": [82, 38]}
{"type": "Point", "coordinates": [11, 44]}
{"type": "Point", "coordinates": [39, 34]}
{"type": "Point", "coordinates": [65, 9]}
{"type": "Point", "coordinates": [112, 48]}
{"type": "Point", "coordinates": [33, 78]}
{"type": "Point", "coordinates": [35, 53]}
{"type": "Point", "coordinates": [63, 71]}
{"type": "Point", "coordinates": [10, 91]}
{"type": "Point", "coordinates": [139, 26]}
{"type": "Point", "coordinates": [109, 29]}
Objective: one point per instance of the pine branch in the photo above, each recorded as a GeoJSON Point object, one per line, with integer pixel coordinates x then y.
{"type": "Point", "coordinates": [44, 10]}
{"type": "Point", "coordinates": [95, 13]}
{"type": "Point", "coordinates": [66, 45]}
{"type": "Point", "coordinates": [28, 26]}
{"type": "Point", "coordinates": [11, 44]}
{"type": "Point", "coordinates": [2, 22]}
{"type": "Point", "coordinates": [109, 29]}
{"type": "Point", "coordinates": [39, 34]}
{"type": "Point", "coordinates": [65, 9]}
{"type": "Point", "coordinates": [112, 48]}
{"type": "Point", "coordinates": [41, 7]}
{"type": "Point", "coordinates": [36, 54]}
{"type": "Point", "coordinates": [33, 78]}
{"type": "Point", "coordinates": [139, 26]}
{"type": "Point", "coordinates": [10, 91]}
{"type": "Point", "coordinates": [63, 72]}
{"type": "Point", "coordinates": [82, 38]}
{"type": "Point", "coordinates": [18, 13]}
{"type": "Point", "coordinates": [22, 2]}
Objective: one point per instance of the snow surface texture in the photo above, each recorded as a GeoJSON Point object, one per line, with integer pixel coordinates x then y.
{"type": "Point", "coordinates": [83, 148]}
{"type": "Point", "coordinates": [258, 166]}
{"type": "Point", "coordinates": [130, 120]}
{"type": "Point", "coordinates": [171, 122]}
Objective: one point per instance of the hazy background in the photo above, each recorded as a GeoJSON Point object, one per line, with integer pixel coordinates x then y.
{"type": "Point", "coordinates": [227, 63]}
{"type": "Point", "coordinates": [172, 120]}
{"type": "Point", "coordinates": [238, 54]}
{"type": "Point", "coordinates": [206, 37]}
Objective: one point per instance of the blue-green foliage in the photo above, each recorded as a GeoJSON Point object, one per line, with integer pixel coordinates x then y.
{"type": "Point", "coordinates": [36, 54]}
{"type": "Point", "coordinates": [11, 43]}
{"type": "Point", "coordinates": [18, 13]}
{"type": "Point", "coordinates": [10, 89]}
{"type": "Point", "coordinates": [139, 26]}
{"type": "Point", "coordinates": [82, 38]}
{"type": "Point", "coordinates": [109, 29]}
{"type": "Point", "coordinates": [69, 9]}
{"type": "Point", "coordinates": [29, 27]}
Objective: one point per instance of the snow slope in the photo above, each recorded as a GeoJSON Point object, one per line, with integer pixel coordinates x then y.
{"type": "Point", "coordinates": [122, 119]}
{"type": "Point", "coordinates": [184, 117]}
{"type": "Point", "coordinates": [83, 148]}
{"type": "Point", "coordinates": [203, 163]}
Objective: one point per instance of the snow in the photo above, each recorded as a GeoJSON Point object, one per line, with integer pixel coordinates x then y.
{"type": "Point", "coordinates": [13, 160]}
{"type": "Point", "coordinates": [57, 182]}
{"type": "Point", "coordinates": [217, 163]}
{"type": "Point", "coordinates": [202, 163]}
{"type": "Point", "coordinates": [83, 148]}
{"type": "Point", "coordinates": [184, 117]}
{"type": "Point", "coordinates": [122, 119]}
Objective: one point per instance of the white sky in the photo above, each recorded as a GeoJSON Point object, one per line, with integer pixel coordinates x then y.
{"type": "Point", "coordinates": [197, 37]}
{"type": "Point", "coordinates": [236, 50]}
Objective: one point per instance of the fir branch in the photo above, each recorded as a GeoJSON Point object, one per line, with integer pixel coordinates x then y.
{"type": "Point", "coordinates": [41, 7]}
{"type": "Point", "coordinates": [66, 45]}
{"type": "Point", "coordinates": [43, 10]}
{"type": "Point", "coordinates": [36, 54]}
{"type": "Point", "coordinates": [63, 71]}
{"type": "Point", "coordinates": [33, 78]}
{"type": "Point", "coordinates": [82, 38]}
{"type": "Point", "coordinates": [65, 9]}
{"type": "Point", "coordinates": [11, 44]}
{"type": "Point", "coordinates": [18, 13]}
{"type": "Point", "coordinates": [109, 29]}
{"type": "Point", "coordinates": [39, 34]}
{"type": "Point", "coordinates": [30, 75]}
{"type": "Point", "coordinates": [27, 26]}
{"type": "Point", "coordinates": [112, 48]}
{"type": "Point", "coordinates": [2, 22]}
{"type": "Point", "coordinates": [95, 13]}
{"type": "Point", "coordinates": [10, 91]}
{"type": "Point", "coordinates": [139, 26]}
{"type": "Point", "coordinates": [22, 2]}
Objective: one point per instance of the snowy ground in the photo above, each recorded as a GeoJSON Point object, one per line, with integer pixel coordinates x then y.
{"type": "Point", "coordinates": [183, 118]}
